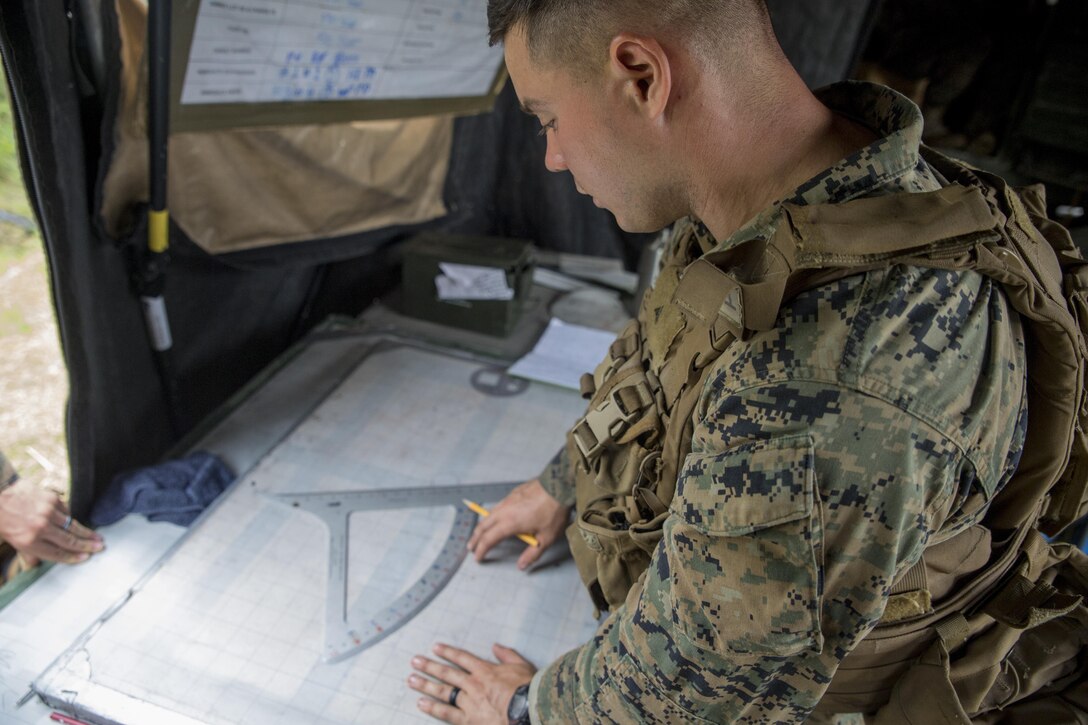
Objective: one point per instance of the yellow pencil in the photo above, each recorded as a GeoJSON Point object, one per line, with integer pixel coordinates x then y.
{"type": "Point", "coordinates": [530, 540]}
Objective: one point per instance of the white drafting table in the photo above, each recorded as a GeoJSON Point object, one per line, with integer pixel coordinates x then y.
{"type": "Point", "coordinates": [230, 626]}
{"type": "Point", "coordinates": [45, 619]}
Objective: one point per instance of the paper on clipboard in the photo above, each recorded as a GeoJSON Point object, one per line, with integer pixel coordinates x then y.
{"type": "Point", "coordinates": [259, 51]}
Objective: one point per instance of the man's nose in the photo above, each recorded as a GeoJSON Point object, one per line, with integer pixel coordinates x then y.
{"type": "Point", "coordinates": [553, 157]}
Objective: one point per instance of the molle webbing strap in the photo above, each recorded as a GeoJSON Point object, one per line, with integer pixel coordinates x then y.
{"type": "Point", "coordinates": [702, 290]}
{"type": "Point", "coordinates": [865, 231]}
{"type": "Point", "coordinates": [1023, 603]}
{"type": "Point", "coordinates": [953, 631]}
{"type": "Point", "coordinates": [914, 578]}
{"type": "Point", "coordinates": [1023, 599]}
{"type": "Point", "coordinates": [626, 345]}
{"type": "Point", "coordinates": [700, 294]}
{"type": "Point", "coordinates": [586, 385]}
{"type": "Point", "coordinates": [714, 297]}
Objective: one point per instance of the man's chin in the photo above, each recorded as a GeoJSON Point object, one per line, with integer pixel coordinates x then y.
{"type": "Point", "coordinates": [639, 226]}
{"type": "Point", "coordinates": [636, 224]}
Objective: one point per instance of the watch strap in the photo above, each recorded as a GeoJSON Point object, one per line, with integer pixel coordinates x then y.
{"type": "Point", "coordinates": [518, 710]}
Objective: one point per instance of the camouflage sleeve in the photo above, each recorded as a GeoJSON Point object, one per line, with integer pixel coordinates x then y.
{"type": "Point", "coordinates": [557, 478]}
{"type": "Point", "coordinates": [810, 488]}
{"type": "Point", "coordinates": [8, 475]}
{"type": "Point", "coordinates": [761, 584]}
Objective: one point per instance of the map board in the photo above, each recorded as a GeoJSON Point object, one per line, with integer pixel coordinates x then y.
{"type": "Point", "coordinates": [230, 627]}
{"type": "Point", "coordinates": [256, 62]}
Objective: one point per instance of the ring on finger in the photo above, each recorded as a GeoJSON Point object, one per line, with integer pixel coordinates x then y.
{"type": "Point", "coordinates": [452, 699]}
{"type": "Point", "coordinates": [67, 523]}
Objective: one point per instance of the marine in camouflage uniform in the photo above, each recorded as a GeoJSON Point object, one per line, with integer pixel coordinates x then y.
{"type": "Point", "coordinates": [9, 565]}
{"type": "Point", "coordinates": [40, 521]}
{"type": "Point", "coordinates": [8, 475]}
{"type": "Point", "coordinates": [879, 416]}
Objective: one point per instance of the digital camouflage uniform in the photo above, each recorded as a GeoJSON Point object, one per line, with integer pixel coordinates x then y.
{"type": "Point", "coordinates": [878, 417]}
{"type": "Point", "coordinates": [7, 473]}
{"type": "Point", "coordinates": [9, 564]}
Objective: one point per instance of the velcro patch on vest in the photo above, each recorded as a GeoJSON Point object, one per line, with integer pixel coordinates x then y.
{"type": "Point", "coordinates": [907, 605]}
{"type": "Point", "coordinates": [666, 321]}
{"type": "Point", "coordinates": [705, 290]}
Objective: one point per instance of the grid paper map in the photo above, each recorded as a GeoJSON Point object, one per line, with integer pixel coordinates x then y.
{"type": "Point", "coordinates": [230, 628]}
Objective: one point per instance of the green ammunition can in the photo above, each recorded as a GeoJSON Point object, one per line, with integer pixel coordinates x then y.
{"type": "Point", "coordinates": [451, 295]}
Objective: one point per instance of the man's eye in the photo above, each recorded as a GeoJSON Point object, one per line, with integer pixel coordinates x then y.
{"type": "Point", "coordinates": [550, 125]}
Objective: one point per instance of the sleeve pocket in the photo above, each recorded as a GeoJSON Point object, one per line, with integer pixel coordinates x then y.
{"type": "Point", "coordinates": [741, 550]}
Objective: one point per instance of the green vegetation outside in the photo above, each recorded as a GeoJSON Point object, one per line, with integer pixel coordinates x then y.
{"type": "Point", "coordinates": [12, 192]}
{"type": "Point", "coordinates": [33, 379]}
{"type": "Point", "coordinates": [15, 241]}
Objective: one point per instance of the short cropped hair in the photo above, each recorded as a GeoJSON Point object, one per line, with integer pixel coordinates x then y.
{"type": "Point", "coordinates": [577, 32]}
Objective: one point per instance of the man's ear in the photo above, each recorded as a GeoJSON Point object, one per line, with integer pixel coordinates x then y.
{"type": "Point", "coordinates": [642, 66]}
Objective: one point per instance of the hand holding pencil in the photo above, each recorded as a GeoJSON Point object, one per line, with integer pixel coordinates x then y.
{"type": "Point", "coordinates": [473, 506]}
{"type": "Point", "coordinates": [529, 513]}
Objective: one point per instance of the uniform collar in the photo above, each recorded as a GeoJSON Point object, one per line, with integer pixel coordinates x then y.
{"type": "Point", "coordinates": [895, 154]}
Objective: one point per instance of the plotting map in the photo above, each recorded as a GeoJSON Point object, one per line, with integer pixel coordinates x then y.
{"type": "Point", "coordinates": [230, 627]}
{"type": "Point", "coordinates": [254, 51]}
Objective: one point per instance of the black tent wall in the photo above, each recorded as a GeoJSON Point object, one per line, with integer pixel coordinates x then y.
{"type": "Point", "coordinates": [234, 314]}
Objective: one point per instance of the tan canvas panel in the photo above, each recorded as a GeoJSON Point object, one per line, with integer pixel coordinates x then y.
{"type": "Point", "coordinates": [236, 190]}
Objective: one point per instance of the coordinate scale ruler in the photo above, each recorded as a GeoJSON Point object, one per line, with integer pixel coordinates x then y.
{"type": "Point", "coordinates": [344, 638]}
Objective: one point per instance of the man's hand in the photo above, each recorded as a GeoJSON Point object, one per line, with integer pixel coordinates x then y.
{"type": "Point", "coordinates": [33, 521]}
{"type": "Point", "coordinates": [484, 688]}
{"type": "Point", "coordinates": [528, 509]}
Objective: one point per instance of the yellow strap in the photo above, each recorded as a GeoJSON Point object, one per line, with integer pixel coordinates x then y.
{"type": "Point", "coordinates": [158, 231]}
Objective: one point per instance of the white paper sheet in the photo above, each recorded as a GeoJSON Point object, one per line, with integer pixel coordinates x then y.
{"type": "Point", "coordinates": [469, 282]}
{"type": "Point", "coordinates": [563, 353]}
{"type": "Point", "coordinates": [253, 51]}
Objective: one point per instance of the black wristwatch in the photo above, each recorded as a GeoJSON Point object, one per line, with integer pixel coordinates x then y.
{"type": "Point", "coordinates": [518, 711]}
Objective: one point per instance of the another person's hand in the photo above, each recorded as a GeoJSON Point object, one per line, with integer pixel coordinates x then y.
{"type": "Point", "coordinates": [484, 688]}
{"type": "Point", "coordinates": [528, 509]}
{"type": "Point", "coordinates": [39, 526]}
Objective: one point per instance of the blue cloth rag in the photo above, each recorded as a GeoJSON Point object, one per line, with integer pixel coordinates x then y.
{"type": "Point", "coordinates": [175, 491]}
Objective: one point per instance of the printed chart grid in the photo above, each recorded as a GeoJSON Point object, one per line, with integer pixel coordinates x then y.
{"type": "Point", "coordinates": [230, 628]}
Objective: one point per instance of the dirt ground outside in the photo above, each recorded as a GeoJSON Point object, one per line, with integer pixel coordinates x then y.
{"type": "Point", "coordinates": [33, 378]}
